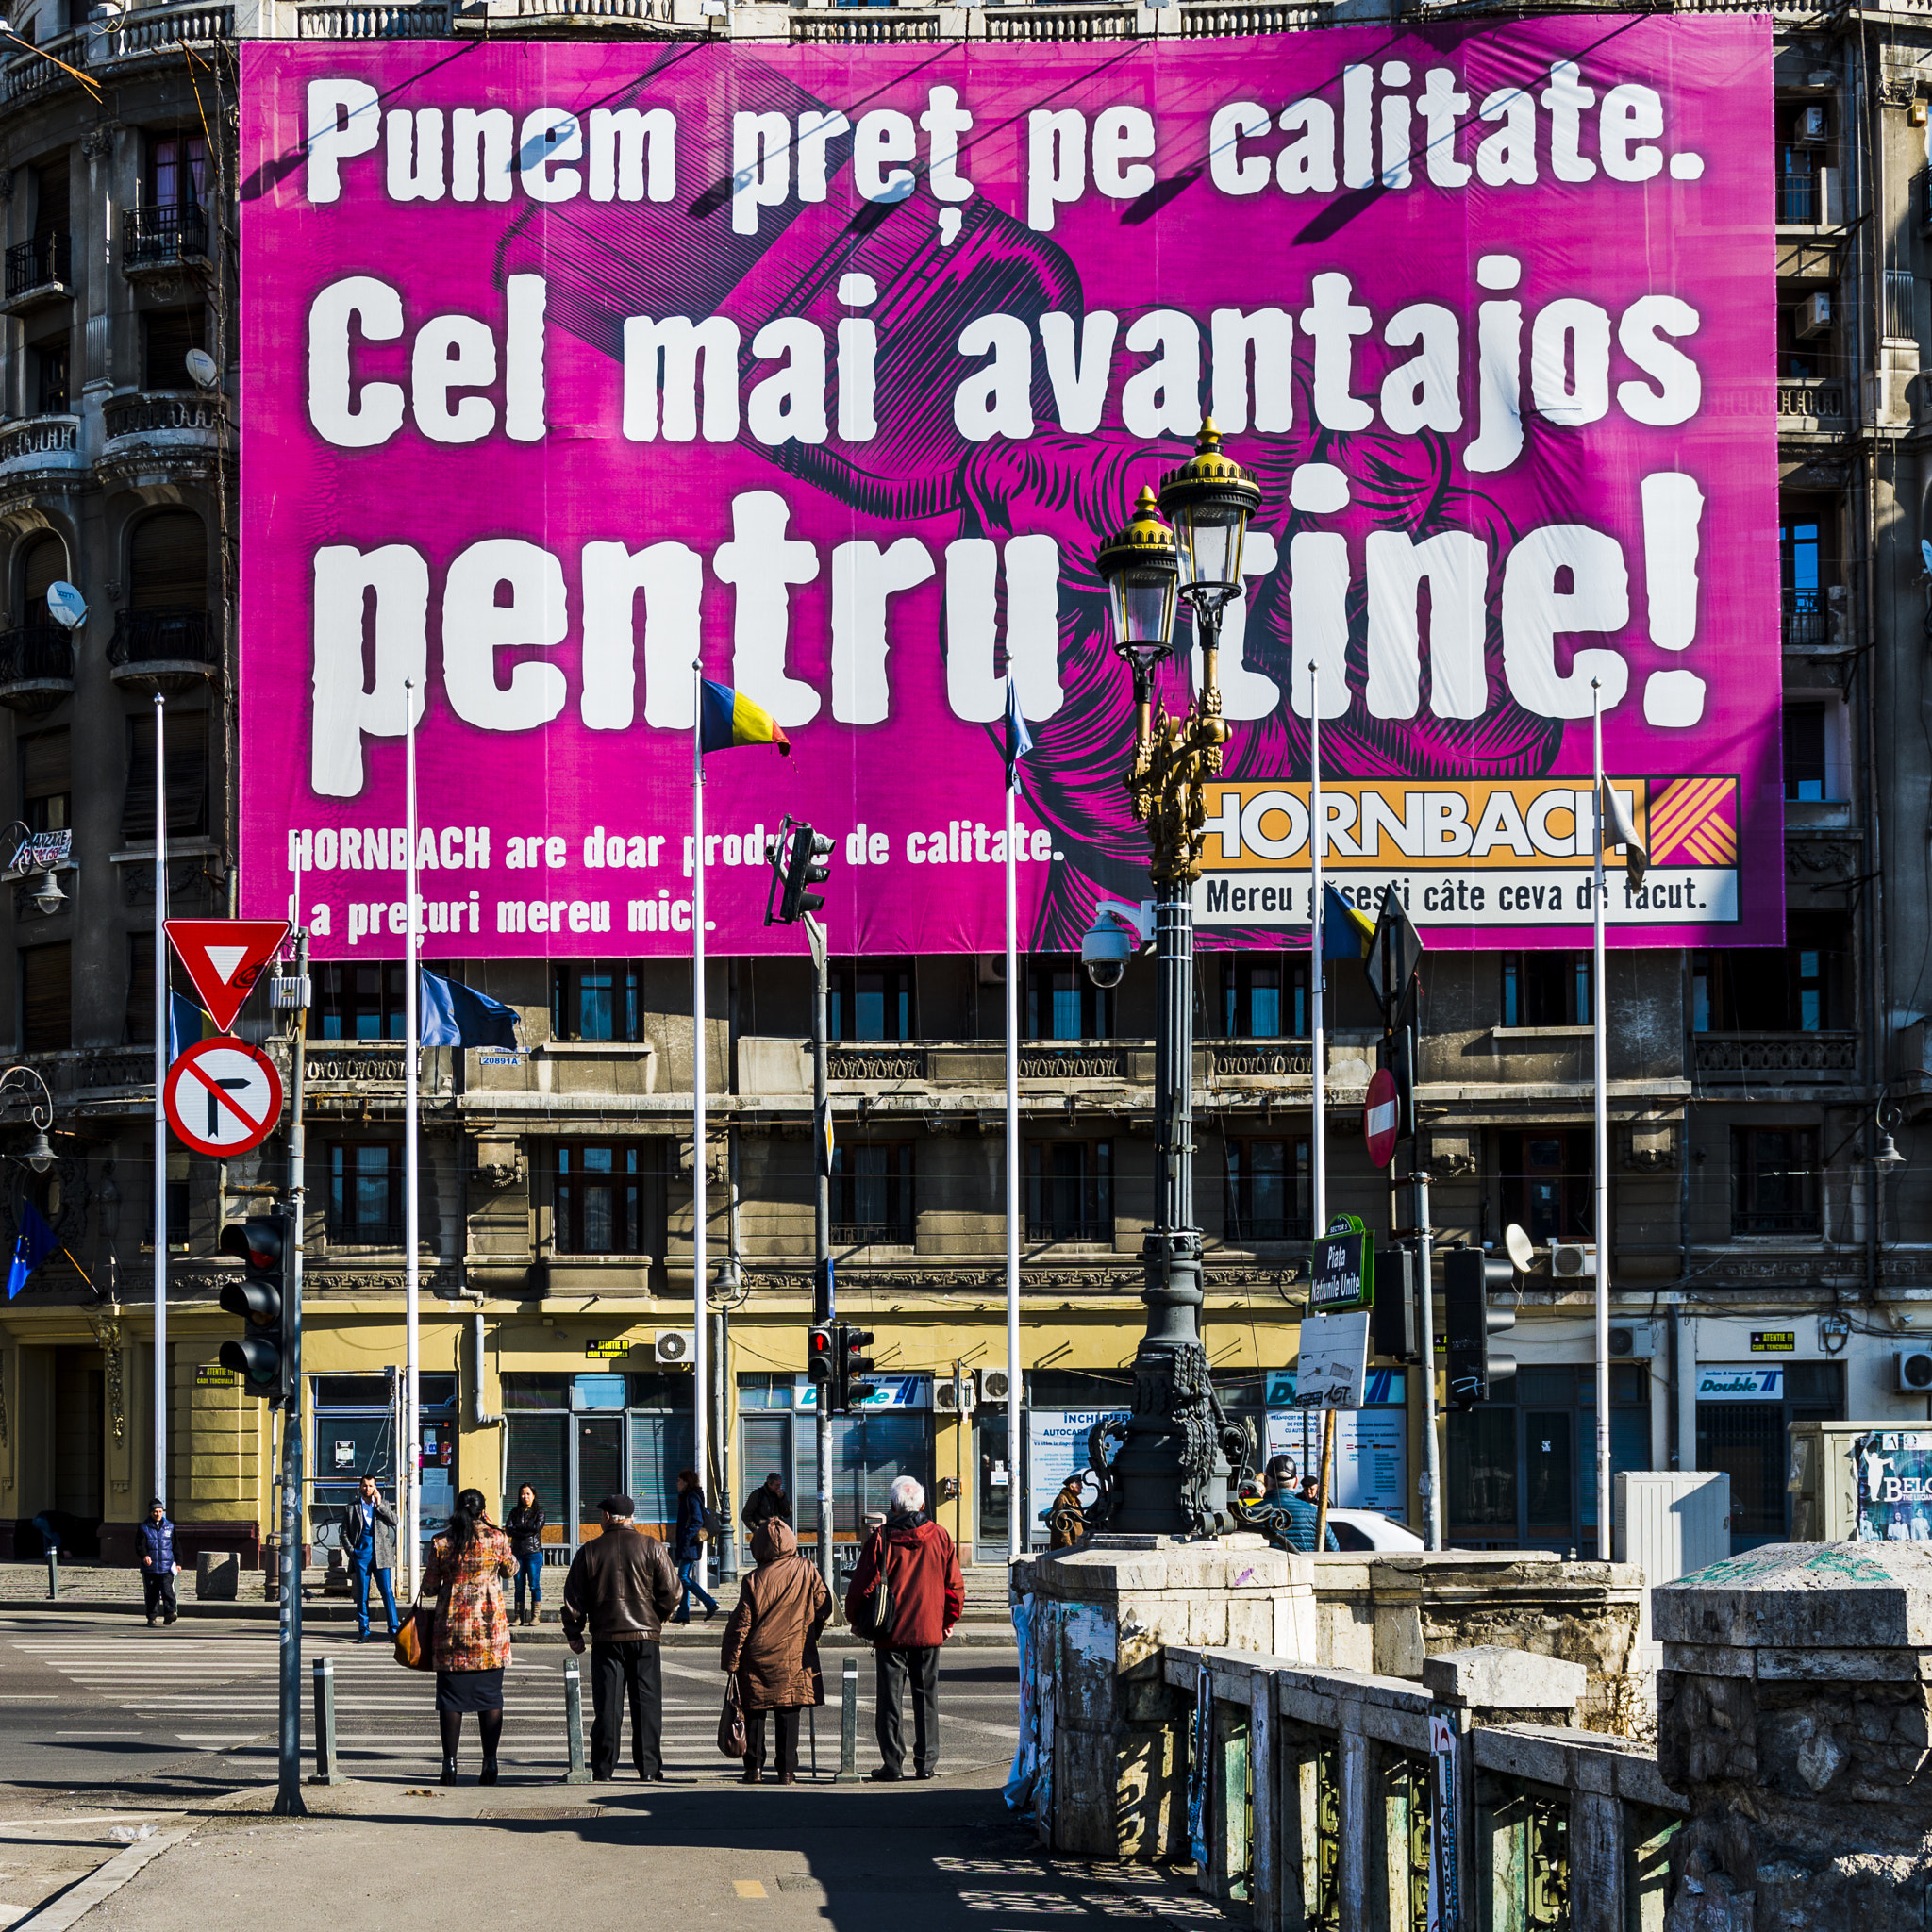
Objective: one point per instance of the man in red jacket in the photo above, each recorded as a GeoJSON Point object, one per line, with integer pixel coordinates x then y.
{"type": "Point", "coordinates": [927, 1595]}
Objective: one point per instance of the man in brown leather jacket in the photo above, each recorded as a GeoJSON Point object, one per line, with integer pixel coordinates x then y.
{"type": "Point", "coordinates": [621, 1588]}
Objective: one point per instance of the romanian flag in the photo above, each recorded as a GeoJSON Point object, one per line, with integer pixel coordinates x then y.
{"type": "Point", "coordinates": [1346, 934]}
{"type": "Point", "coordinates": [728, 717]}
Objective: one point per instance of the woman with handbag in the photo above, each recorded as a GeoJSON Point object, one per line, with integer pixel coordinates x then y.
{"type": "Point", "coordinates": [688, 1546]}
{"type": "Point", "coordinates": [524, 1527]}
{"type": "Point", "coordinates": [772, 1646]}
{"type": "Point", "coordinates": [466, 1565]}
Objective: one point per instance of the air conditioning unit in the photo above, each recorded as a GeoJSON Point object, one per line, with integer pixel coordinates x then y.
{"type": "Point", "coordinates": [1911, 1373]}
{"type": "Point", "coordinates": [1814, 315]}
{"type": "Point", "coordinates": [1814, 121]}
{"type": "Point", "coordinates": [1573, 1260]}
{"type": "Point", "coordinates": [992, 968]}
{"type": "Point", "coordinates": [954, 1398]}
{"type": "Point", "coordinates": [994, 1385]}
{"type": "Point", "coordinates": [1632, 1342]}
{"type": "Point", "coordinates": [676, 1345]}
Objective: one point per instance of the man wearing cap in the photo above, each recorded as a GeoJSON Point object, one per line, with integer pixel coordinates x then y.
{"type": "Point", "coordinates": [158, 1568]}
{"type": "Point", "coordinates": [621, 1588]}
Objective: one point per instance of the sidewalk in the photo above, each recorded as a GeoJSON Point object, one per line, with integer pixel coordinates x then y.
{"type": "Point", "coordinates": [941, 1857]}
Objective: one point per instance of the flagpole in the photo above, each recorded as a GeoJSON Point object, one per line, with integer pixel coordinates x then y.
{"type": "Point", "coordinates": [162, 1389]}
{"type": "Point", "coordinates": [1316, 840]}
{"type": "Point", "coordinates": [700, 1206]}
{"type": "Point", "coordinates": [412, 1425]}
{"type": "Point", "coordinates": [1014, 1526]}
{"type": "Point", "coordinates": [1600, 1040]}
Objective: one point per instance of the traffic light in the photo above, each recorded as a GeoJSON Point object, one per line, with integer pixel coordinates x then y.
{"type": "Point", "coordinates": [1395, 1319]}
{"type": "Point", "coordinates": [263, 1356]}
{"type": "Point", "coordinates": [810, 863]}
{"type": "Point", "coordinates": [1468, 1278]}
{"type": "Point", "coordinates": [1396, 1054]}
{"type": "Point", "coordinates": [849, 1385]}
{"type": "Point", "coordinates": [821, 1364]}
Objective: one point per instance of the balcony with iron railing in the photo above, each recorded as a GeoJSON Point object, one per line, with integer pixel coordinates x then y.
{"type": "Point", "coordinates": [1807, 620]}
{"type": "Point", "coordinates": [36, 668]}
{"type": "Point", "coordinates": [1812, 403]}
{"type": "Point", "coordinates": [895, 1232]}
{"type": "Point", "coordinates": [40, 270]}
{"type": "Point", "coordinates": [163, 239]}
{"type": "Point", "coordinates": [164, 650]}
{"type": "Point", "coordinates": [1757, 1060]}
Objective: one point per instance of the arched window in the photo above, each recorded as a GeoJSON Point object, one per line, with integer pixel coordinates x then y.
{"type": "Point", "coordinates": [168, 562]}
{"type": "Point", "coordinates": [42, 560]}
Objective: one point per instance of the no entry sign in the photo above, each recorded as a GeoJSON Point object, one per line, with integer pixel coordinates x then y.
{"type": "Point", "coordinates": [1382, 1116]}
{"type": "Point", "coordinates": [222, 1096]}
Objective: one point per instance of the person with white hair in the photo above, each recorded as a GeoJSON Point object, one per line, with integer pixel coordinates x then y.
{"type": "Point", "coordinates": [922, 1597]}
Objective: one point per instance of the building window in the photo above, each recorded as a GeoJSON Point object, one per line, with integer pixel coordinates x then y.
{"type": "Point", "coordinates": [178, 171]}
{"type": "Point", "coordinates": [42, 560]}
{"type": "Point", "coordinates": [48, 373]}
{"type": "Point", "coordinates": [1548, 1180]}
{"type": "Point", "coordinates": [362, 1001]}
{"type": "Point", "coordinates": [1802, 574]}
{"type": "Point", "coordinates": [1547, 989]}
{"type": "Point", "coordinates": [178, 1206]}
{"type": "Point", "coordinates": [1069, 1191]}
{"type": "Point", "coordinates": [1269, 1195]}
{"type": "Point", "coordinates": [596, 999]}
{"type": "Point", "coordinates": [46, 998]}
{"type": "Point", "coordinates": [870, 999]}
{"type": "Point", "coordinates": [46, 780]}
{"type": "Point", "coordinates": [1063, 1004]}
{"type": "Point", "coordinates": [365, 1192]}
{"type": "Point", "coordinates": [167, 563]}
{"type": "Point", "coordinates": [599, 1198]}
{"type": "Point", "coordinates": [1263, 998]}
{"type": "Point", "coordinates": [187, 757]}
{"type": "Point", "coordinates": [1798, 989]}
{"type": "Point", "coordinates": [170, 334]}
{"type": "Point", "coordinates": [871, 1194]}
{"type": "Point", "coordinates": [1774, 1180]}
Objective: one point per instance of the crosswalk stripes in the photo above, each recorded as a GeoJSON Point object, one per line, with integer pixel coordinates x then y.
{"type": "Point", "coordinates": [214, 1696]}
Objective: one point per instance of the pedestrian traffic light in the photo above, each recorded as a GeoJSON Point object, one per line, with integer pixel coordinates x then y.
{"type": "Point", "coordinates": [1396, 1318]}
{"type": "Point", "coordinates": [1468, 1278]}
{"type": "Point", "coordinates": [809, 863]}
{"type": "Point", "coordinates": [821, 1363]}
{"type": "Point", "coordinates": [264, 1355]}
{"type": "Point", "coordinates": [850, 1387]}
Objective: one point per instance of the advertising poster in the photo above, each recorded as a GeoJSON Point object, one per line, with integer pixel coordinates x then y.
{"type": "Point", "coordinates": [565, 365]}
{"type": "Point", "coordinates": [1371, 1454]}
{"type": "Point", "coordinates": [1894, 1469]}
{"type": "Point", "coordinates": [1056, 1448]}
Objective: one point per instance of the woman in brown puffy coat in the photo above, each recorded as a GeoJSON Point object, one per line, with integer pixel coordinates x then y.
{"type": "Point", "coordinates": [771, 1646]}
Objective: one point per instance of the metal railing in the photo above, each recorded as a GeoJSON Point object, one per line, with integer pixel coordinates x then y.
{"type": "Point", "coordinates": [1820, 399]}
{"type": "Point", "coordinates": [31, 652]}
{"type": "Point", "coordinates": [1900, 303]}
{"type": "Point", "coordinates": [45, 262]}
{"type": "Point", "coordinates": [151, 637]}
{"type": "Point", "coordinates": [1798, 199]}
{"type": "Point", "coordinates": [1776, 1053]}
{"type": "Point", "coordinates": [873, 1234]}
{"type": "Point", "coordinates": [163, 237]}
{"type": "Point", "coordinates": [157, 413]}
{"type": "Point", "coordinates": [1805, 624]}
{"type": "Point", "coordinates": [1050, 1228]}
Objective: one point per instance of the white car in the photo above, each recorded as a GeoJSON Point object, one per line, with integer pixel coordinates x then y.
{"type": "Point", "coordinates": [1365, 1529]}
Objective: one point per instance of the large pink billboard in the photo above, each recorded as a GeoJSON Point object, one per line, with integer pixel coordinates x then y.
{"type": "Point", "coordinates": [569, 366]}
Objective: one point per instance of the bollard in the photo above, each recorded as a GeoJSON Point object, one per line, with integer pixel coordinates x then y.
{"type": "Point", "coordinates": [579, 1773]}
{"type": "Point", "coordinates": [328, 1767]}
{"type": "Point", "coordinates": [848, 1724]}
{"type": "Point", "coordinates": [53, 1571]}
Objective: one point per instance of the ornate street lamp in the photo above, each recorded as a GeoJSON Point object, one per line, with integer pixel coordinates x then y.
{"type": "Point", "coordinates": [1170, 1473]}
{"type": "Point", "coordinates": [40, 1151]}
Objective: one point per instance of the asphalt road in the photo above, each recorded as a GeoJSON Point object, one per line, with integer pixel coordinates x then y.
{"type": "Point", "coordinates": [99, 1704]}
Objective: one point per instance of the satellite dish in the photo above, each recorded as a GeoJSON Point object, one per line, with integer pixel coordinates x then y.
{"type": "Point", "coordinates": [65, 605]}
{"type": "Point", "coordinates": [202, 368]}
{"type": "Point", "coordinates": [1926, 551]}
{"type": "Point", "coordinates": [1522, 1254]}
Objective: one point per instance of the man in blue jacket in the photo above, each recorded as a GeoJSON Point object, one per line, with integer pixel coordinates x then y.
{"type": "Point", "coordinates": [158, 1568]}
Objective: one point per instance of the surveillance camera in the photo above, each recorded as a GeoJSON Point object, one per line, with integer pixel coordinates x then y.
{"type": "Point", "coordinates": [1104, 950]}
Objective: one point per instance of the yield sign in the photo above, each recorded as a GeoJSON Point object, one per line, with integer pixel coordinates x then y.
{"type": "Point", "coordinates": [225, 958]}
{"type": "Point", "coordinates": [222, 1096]}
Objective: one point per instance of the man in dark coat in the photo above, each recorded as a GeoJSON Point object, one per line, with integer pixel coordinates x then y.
{"type": "Point", "coordinates": [620, 1589]}
{"type": "Point", "coordinates": [767, 1501]}
{"type": "Point", "coordinates": [928, 1594]}
{"type": "Point", "coordinates": [156, 1539]}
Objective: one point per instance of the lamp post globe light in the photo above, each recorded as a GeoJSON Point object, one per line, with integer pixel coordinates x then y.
{"type": "Point", "coordinates": [1168, 1473]}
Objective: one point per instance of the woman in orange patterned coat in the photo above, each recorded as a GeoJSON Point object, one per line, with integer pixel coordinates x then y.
{"type": "Point", "coordinates": [467, 1566]}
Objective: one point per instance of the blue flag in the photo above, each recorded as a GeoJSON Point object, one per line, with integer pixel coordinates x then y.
{"type": "Point", "coordinates": [35, 1244]}
{"type": "Point", "coordinates": [454, 1014]}
{"type": "Point", "coordinates": [1346, 934]}
{"type": "Point", "coordinates": [184, 1024]}
{"type": "Point", "coordinates": [1018, 740]}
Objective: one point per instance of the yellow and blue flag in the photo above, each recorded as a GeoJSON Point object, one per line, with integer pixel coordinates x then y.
{"type": "Point", "coordinates": [727, 716]}
{"type": "Point", "coordinates": [186, 1023]}
{"type": "Point", "coordinates": [35, 1241]}
{"type": "Point", "coordinates": [1346, 934]}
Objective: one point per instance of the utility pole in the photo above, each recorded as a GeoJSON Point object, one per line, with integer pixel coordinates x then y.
{"type": "Point", "coordinates": [289, 1802]}
{"type": "Point", "coordinates": [1425, 1290]}
{"type": "Point", "coordinates": [824, 1291]}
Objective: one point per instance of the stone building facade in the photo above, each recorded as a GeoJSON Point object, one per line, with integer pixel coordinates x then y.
{"type": "Point", "coordinates": [1760, 1224]}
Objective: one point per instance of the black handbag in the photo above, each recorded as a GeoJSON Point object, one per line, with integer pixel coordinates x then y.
{"type": "Point", "coordinates": [731, 1721]}
{"type": "Point", "coordinates": [872, 1615]}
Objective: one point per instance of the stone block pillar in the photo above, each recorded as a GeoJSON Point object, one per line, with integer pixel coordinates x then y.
{"type": "Point", "coordinates": [1112, 1733]}
{"type": "Point", "coordinates": [1793, 1715]}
